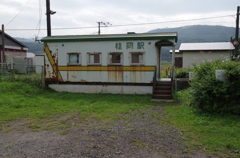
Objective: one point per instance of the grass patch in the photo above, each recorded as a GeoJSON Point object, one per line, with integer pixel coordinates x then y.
{"type": "Point", "coordinates": [22, 101]}
{"type": "Point", "coordinates": [138, 143]}
{"type": "Point", "coordinates": [217, 134]}
{"type": "Point", "coordinates": [64, 132]}
{"type": "Point", "coordinates": [114, 137]}
{"type": "Point", "coordinates": [44, 109]}
{"type": "Point", "coordinates": [31, 78]}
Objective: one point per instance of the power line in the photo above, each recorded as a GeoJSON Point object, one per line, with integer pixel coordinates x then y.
{"type": "Point", "coordinates": [171, 21]}
{"type": "Point", "coordinates": [38, 27]}
{"type": "Point", "coordinates": [18, 13]}
{"type": "Point", "coordinates": [72, 28]}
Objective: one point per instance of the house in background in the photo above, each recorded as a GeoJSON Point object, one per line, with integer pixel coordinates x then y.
{"type": "Point", "coordinates": [197, 53]}
{"type": "Point", "coordinates": [13, 48]}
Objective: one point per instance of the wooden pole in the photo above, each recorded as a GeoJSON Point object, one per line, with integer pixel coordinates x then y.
{"type": "Point", "coordinates": [99, 31]}
{"type": "Point", "coordinates": [237, 24]}
{"type": "Point", "coordinates": [3, 44]}
{"type": "Point", "coordinates": [236, 33]}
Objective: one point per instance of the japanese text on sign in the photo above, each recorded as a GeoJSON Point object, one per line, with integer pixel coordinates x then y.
{"type": "Point", "coordinates": [129, 45]}
{"type": "Point", "coordinates": [118, 46]}
{"type": "Point", "coordinates": [140, 45]}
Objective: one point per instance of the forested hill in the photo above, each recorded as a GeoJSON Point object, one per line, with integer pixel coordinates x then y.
{"type": "Point", "coordinates": [193, 33]}
{"type": "Point", "coordinates": [198, 33]}
{"type": "Point", "coordinates": [33, 47]}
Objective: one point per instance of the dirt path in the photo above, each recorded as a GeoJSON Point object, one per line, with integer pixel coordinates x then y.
{"type": "Point", "coordinates": [141, 134]}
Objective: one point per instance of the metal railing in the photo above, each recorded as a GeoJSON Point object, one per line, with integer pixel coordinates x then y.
{"type": "Point", "coordinates": [173, 79]}
{"type": "Point", "coordinates": [154, 79]}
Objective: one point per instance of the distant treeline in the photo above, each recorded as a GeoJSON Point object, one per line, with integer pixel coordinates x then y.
{"type": "Point", "coordinates": [186, 34]}
{"type": "Point", "coordinates": [197, 33]}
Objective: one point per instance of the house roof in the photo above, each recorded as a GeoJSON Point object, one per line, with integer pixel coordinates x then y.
{"type": "Point", "coordinates": [112, 37]}
{"type": "Point", "coordinates": [206, 46]}
{"type": "Point", "coordinates": [12, 42]}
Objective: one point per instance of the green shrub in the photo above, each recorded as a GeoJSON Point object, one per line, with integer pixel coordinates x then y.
{"type": "Point", "coordinates": [182, 72]}
{"type": "Point", "coordinates": [212, 95]}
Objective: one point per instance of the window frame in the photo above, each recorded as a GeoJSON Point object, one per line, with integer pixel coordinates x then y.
{"type": "Point", "coordinates": [109, 58]}
{"type": "Point", "coordinates": [79, 58]}
{"type": "Point", "coordinates": [94, 53]}
{"type": "Point", "coordinates": [142, 53]}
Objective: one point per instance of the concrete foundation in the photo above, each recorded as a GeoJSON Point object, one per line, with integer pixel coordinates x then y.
{"type": "Point", "coordinates": [112, 89]}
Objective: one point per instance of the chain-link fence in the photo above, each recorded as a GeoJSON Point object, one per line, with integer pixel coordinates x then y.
{"type": "Point", "coordinates": [33, 74]}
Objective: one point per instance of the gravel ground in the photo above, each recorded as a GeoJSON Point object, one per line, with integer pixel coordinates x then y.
{"type": "Point", "coordinates": [142, 134]}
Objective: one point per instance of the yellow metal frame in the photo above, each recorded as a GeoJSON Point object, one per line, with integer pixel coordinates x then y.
{"type": "Point", "coordinates": [53, 64]}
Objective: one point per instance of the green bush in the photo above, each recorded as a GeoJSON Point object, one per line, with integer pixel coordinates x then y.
{"type": "Point", "coordinates": [212, 95]}
{"type": "Point", "coordinates": [182, 72]}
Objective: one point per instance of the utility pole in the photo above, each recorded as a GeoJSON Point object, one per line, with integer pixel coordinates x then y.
{"type": "Point", "coordinates": [48, 18]}
{"type": "Point", "coordinates": [3, 44]}
{"type": "Point", "coordinates": [236, 42]}
{"type": "Point", "coordinates": [3, 49]}
{"type": "Point", "coordinates": [49, 13]}
{"type": "Point", "coordinates": [99, 23]}
{"type": "Point", "coordinates": [99, 26]}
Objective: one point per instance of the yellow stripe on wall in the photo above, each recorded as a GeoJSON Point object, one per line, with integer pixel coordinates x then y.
{"type": "Point", "coordinates": [106, 68]}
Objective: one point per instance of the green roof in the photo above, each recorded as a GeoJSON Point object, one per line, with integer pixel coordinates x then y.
{"type": "Point", "coordinates": [112, 37]}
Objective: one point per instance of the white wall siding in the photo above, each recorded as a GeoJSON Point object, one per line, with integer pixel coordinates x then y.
{"type": "Point", "coordinates": [200, 56]}
{"type": "Point", "coordinates": [60, 52]}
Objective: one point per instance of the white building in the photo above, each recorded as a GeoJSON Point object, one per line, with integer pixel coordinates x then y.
{"type": "Point", "coordinates": [190, 53]}
{"type": "Point", "coordinates": [122, 59]}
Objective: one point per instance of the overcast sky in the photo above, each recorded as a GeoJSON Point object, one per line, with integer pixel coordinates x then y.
{"type": "Point", "coordinates": [28, 19]}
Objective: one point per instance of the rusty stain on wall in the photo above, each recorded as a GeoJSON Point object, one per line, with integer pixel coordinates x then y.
{"type": "Point", "coordinates": [117, 75]}
{"type": "Point", "coordinates": [133, 76]}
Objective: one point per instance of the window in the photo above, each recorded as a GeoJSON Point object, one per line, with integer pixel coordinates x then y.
{"type": "Point", "coordinates": [137, 58]}
{"type": "Point", "coordinates": [115, 58]}
{"type": "Point", "coordinates": [94, 58]}
{"type": "Point", "coordinates": [74, 58]}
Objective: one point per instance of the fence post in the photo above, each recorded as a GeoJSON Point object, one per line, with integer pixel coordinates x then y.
{"type": "Point", "coordinates": [42, 76]}
{"type": "Point", "coordinates": [12, 72]}
{"type": "Point", "coordinates": [0, 71]}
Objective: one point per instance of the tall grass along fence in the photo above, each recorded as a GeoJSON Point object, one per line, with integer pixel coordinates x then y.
{"type": "Point", "coordinates": [33, 74]}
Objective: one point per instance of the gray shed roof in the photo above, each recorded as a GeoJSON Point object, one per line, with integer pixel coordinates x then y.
{"type": "Point", "coordinates": [10, 41]}
{"type": "Point", "coordinates": [206, 46]}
